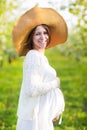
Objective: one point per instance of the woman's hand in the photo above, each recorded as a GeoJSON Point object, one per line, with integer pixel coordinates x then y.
{"type": "Point", "coordinates": [55, 119]}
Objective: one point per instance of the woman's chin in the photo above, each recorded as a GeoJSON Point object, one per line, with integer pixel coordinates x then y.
{"type": "Point", "coordinates": [42, 47]}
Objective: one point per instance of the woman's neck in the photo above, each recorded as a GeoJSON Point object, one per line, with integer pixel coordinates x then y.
{"type": "Point", "coordinates": [40, 50]}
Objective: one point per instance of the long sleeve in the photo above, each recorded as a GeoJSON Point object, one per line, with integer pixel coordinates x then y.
{"type": "Point", "coordinates": [34, 85]}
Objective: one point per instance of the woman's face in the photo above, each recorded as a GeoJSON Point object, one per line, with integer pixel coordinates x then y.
{"type": "Point", "coordinates": [40, 38]}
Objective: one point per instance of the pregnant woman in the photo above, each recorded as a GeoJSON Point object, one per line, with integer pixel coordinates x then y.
{"type": "Point", "coordinates": [41, 101]}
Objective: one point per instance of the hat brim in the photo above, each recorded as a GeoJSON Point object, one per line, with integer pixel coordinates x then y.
{"type": "Point", "coordinates": [31, 19]}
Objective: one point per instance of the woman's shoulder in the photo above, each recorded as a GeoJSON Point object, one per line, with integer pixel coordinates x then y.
{"type": "Point", "coordinates": [32, 57]}
{"type": "Point", "coordinates": [32, 53]}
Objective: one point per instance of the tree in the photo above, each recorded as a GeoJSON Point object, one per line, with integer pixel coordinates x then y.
{"type": "Point", "coordinates": [6, 24]}
{"type": "Point", "coordinates": [77, 42]}
{"type": "Point", "coordinates": [79, 8]}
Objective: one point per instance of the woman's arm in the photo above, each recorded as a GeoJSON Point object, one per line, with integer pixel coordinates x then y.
{"type": "Point", "coordinates": [35, 86]}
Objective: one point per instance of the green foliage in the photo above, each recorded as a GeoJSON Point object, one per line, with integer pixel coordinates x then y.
{"type": "Point", "coordinates": [73, 76]}
{"type": "Point", "coordinates": [6, 25]}
{"type": "Point", "coordinates": [76, 46]}
{"type": "Point", "coordinates": [79, 9]}
{"type": "Point", "coordinates": [2, 4]}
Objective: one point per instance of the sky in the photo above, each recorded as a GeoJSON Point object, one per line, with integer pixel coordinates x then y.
{"type": "Point", "coordinates": [25, 5]}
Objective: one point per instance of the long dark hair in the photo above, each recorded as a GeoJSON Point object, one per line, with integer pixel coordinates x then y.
{"type": "Point", "coordinates": [30, 37]}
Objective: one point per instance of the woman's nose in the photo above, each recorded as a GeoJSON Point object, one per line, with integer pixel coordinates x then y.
{"type": "Point", "coordinates": [42, 36]}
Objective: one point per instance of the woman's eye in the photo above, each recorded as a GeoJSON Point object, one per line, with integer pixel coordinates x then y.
{"type": "Point", "coordinates": [45, 33]}
{"type": "Point", "coordinates": [37, 34]}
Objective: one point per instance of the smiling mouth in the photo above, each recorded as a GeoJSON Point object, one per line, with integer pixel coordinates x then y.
{"type": "Point", "coordinates": [43, 41]}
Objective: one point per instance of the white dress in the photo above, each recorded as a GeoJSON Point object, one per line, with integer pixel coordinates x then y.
{"type": "Point", "coordinates": [41, 99]}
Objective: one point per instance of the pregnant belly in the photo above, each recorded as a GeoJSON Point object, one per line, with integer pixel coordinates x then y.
{"type": "Point", "coordinates": [57, 103]}
{"type": "Point", "coordinates": [52, 103]}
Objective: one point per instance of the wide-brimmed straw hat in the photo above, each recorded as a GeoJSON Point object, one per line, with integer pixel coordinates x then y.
{"type": "Point", "coordinates": [34, 17]}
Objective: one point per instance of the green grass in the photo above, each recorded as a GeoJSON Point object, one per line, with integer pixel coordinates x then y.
{"type": "Point", "coordinates": [73, 77]}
